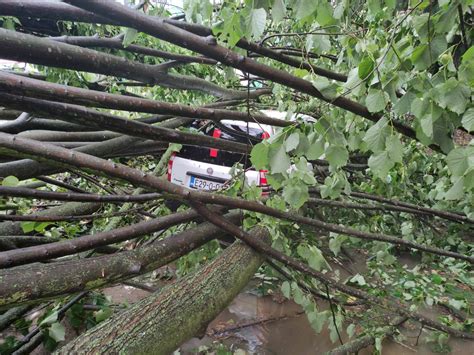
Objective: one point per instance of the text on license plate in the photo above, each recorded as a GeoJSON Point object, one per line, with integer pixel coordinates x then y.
{"type": "Point", "coordinates": [201, 184]}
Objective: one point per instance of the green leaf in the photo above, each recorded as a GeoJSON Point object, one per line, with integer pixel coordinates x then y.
{"type": "Point", "coordinates": [426, 124]}
{"type": "Point", "coordinates": [456, 304]}
{"type": "Point", "coordinates": [420, 107]}
{"type": "Point", "coordinates": [409, 284]}
{"type": "Point", "coordinates": [324, 15]}
{"type": "Point", "coordinates": [317, 320]}
{"type": "Point", "coordinates": [453, 95]}
{"type": "Point", "coordinates": [278, 10]}
{"type": "Point", "coordinates": [41, 226]}
{"type": "Point", "coordinates": [350, 330]}
{"type": "Point", "coordinates": [460, 159]}
{"type": "Point", "coordinates": [468, 120]}
{"type": "Point", "coordinates": [292, 141]}
{"type": "Point", "coordinates": [468, 55]}
{"type": "Point", "coordinates": [130, 36]}
{"type": "Point", "coordinates": [394, 148]}
{"type": "Point", "coordinates": [318, 43]}
{"type": "Point", "coordinates": [259, 156]}
{"type": "Point", "coordinates": [403, 105]}
{"type": "Point", "coordinates": [316, 149]}
{"type": "Point", "coordinates": [375, 6]}
{"type": "Point", "coordinates": [50, 319]}
{"type": "Point", "coordinates": [376, 100]}
{"type": "Point", "coordinates": [103, 314]}
{"type": "Point", "coordinates": [421, 57]}
{"type": "Point", "coordinates": [57, 332]}
{"type": "Point", "coordinates": [380, 164]}
{"type": "Point", "coordinates": [334, 326]}
{"type": "Point", "coordinates": [295, 194]}
{"type": "Point", "coordinates": [358, 279]}
{"type": "Point", "coordinates": [337, 155]}
{"type": "Point", "coordinates": [378, 344]}
{"type": "Point", "coordinates": [28, 226]}
{"type": "Point", "coordinates": [365, 68]}
{"type": "Point", "coordinates": [335, 243]}
{"type": "Point", "coordinates": [9, 24]}
{"type": "Point", "coordinates": [305, 8]}
{"type": "Point", "coordinates": [256, 23]}
{"type": "Point", "coordinates": [456, 191]}
{"type": "Point", "coordinates": [325, 87]}
{"type": "Point", "coordinates": [298, 295]}
{"type": "Point", "coordinates": [279, 160]}
{"type": "Point", "coordinates": [10, 181]}
{"type": "Point", "coordinates": [376, 136]}
{"type": "Point", "coordinates": [313, 255]}
{"type": "Point", "coordinates": [436, 279]}
{"type": "Point", "coordinates": [286, 289]}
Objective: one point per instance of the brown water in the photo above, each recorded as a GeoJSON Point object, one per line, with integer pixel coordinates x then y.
{"type": "Point", "coordinates": [264, 325]}
{"type": "Point", "coordinates": [259, 325]}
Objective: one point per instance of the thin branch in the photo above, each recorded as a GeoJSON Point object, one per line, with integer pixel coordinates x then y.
{"type": "Point", "coordinates": [62, 184]}
{"type": "Point", "coordinates": [272, 253]}
{"type": "Point", "coordinates": [67, 247]}
{"type": "Point", "coordinates": [65, 156]}
{"type": "Point", "coordinates": [116, 43]}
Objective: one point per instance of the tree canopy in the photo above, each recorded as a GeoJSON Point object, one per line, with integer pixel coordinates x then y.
{"type": "Point", "coordinates": [374, 160]}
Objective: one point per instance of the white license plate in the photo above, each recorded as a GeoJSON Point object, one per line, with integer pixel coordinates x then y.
{"type": "Point", "coordinates": [202, 184]}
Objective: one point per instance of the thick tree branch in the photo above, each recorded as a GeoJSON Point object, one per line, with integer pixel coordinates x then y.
{"type": "Point", "coordinates": [38, 282]}
{"type": "Point", "coordinates": [152, 326]}
{"type": "Point", "coordinates": [163, 30]}
{"type": "Point", "coordinates": [63, 93]}
{"type": "Point", "coordinates": [62, 155]}
{"type": "Point", "coordinates": [67, 247]}
{"type": "Point", "coordinates": [31, 49]}
{"type": "Point", "coordinates": [92, 118]}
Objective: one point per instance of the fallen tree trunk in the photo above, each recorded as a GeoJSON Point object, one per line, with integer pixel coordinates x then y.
{"type": "Point", "coordinates": [164, 320]}
{"type": "Point", "coordinates": [38, 282]}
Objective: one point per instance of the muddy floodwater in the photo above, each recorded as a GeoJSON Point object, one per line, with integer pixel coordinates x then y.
{"type": "Point", "coordinates": [259, 325]}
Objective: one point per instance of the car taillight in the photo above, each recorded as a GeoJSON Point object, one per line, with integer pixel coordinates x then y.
{"type": "Point", "coordinates": [216, 134]}
{"type": "Point", "coordinates": [263, 177]}
{"type": "Point", "coordinates": [265, 135]}
{"type": "Point", "coordinates": [170, 165]}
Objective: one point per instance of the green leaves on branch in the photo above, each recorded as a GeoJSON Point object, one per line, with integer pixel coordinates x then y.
{"type": "Point", "coordinates": [461, 165]}
{"type": "Point", "coordinates": [376, 100]}
{"type": "Point", "coordinates": [130, 36]}
{"type": "Point", "coordinates": [386, 147]}
{"type": "Point", "coordinates": [10, 181]}
{"type": "Point", "coordinates": [365, 68]}
{"type": "Point", "coordinates": [256, 23]}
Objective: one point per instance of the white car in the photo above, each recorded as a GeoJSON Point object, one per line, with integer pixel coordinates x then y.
{"type": "Point", "coordinates": [209, 169]}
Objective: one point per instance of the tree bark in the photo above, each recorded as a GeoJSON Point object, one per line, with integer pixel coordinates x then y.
{"type": "Point", "coordinates": [42, 51]}
{"type": "Point", "coordinates": [68, 209]}
{"type": "Point", "coordinates": [51, 91]}
{"type": "Point", "coordinates": [38, 282]}
{"type": "Point", "coordinates": [161, 322]}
